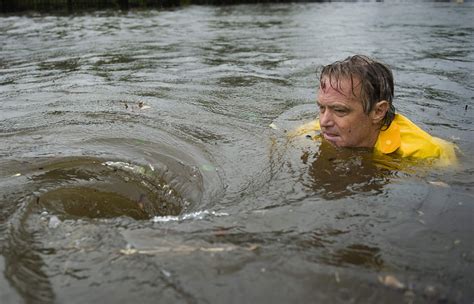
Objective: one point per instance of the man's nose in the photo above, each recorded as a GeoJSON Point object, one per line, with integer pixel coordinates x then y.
{"type": "Point", "coordinates": [325, 119]}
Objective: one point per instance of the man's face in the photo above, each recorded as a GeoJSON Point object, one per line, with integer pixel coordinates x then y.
{"type": "Point", "coordinates": [342, 118]}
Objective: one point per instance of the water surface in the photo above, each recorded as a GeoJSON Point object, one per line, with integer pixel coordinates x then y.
{"type": "Point", "coordinates": [138, 162]}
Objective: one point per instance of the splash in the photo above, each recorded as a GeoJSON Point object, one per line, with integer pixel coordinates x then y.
{"type": "Point", "coordinates": [198, 215]}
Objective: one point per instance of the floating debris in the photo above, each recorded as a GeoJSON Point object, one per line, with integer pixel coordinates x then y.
{"type": "Point", "coordinates": [128, 251]}
{"type": "Point", "coordinates": [391, 281]}
{"type": "Point", "coordinates": [166, 273]}
{"type": "Point", "coordinates": [142, 106]}
{"type": "Point", "coordinates": [439, 184]}
{"type": "Point", "coordinates": [54, 222]}
{"type": "Point", "coordinates": [253, 247]}
{"type": "Point", "coordinates": [273, 126]}
{"type": "Point", "coordinates": [208, 168]}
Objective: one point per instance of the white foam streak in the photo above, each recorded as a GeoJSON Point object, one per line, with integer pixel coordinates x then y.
{"type": "Point", "coordinates": [198, 215]}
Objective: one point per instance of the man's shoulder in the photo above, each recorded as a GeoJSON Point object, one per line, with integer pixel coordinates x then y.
{"type": "Point", "coordinates": [417, 143]}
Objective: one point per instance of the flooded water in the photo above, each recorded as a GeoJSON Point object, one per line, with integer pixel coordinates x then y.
{"type": "Point", "coordinates": [144, 157]}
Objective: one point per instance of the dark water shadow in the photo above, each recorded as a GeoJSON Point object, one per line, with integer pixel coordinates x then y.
{"type": "Point", "coordinates": [336, 173]}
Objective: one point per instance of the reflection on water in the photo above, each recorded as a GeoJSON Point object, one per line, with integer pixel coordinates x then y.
{"type": "Point", "coordinates": [137, 162]}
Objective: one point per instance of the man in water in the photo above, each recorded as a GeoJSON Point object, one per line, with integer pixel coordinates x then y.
{"type": "Point", "coordinates": [356, 109]}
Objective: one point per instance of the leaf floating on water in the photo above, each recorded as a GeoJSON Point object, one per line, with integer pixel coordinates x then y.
{"type": "Point", "coordinates": [439, 184]}
{"type": "Point", "coordinates": [391, 281]}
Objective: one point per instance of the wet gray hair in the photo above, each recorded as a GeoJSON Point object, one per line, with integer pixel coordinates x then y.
{"type": "Point", "coordinates": [376, 82]}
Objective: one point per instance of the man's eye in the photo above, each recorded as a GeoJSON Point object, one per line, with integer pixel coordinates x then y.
{"type": "Point", "coordinates": [340, 111]}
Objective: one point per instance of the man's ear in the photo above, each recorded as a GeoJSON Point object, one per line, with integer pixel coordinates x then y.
{"type": "Point", "coordinates": [379, 111]}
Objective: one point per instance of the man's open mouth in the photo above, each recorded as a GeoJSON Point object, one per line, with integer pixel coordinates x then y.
{"type": "Point", "coordinates": [330, 136]}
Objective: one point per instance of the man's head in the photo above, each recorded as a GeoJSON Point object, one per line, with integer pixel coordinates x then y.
{"type": "Point", "coordinates": [355, 100]}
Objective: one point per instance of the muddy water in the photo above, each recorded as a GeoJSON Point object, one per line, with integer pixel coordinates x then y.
{"type": "Point", "coordinates": [144, 157]}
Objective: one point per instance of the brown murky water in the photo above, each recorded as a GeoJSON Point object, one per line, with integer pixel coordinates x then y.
{"type": "Point", "coordinates": [137, 162]}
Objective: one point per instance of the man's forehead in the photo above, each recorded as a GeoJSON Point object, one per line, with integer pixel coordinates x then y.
{"type": "Point", "coordinates": [347, 86]}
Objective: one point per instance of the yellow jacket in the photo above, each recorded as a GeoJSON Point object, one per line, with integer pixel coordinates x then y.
{"type": "Point", "coordinates": [405, 139]}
